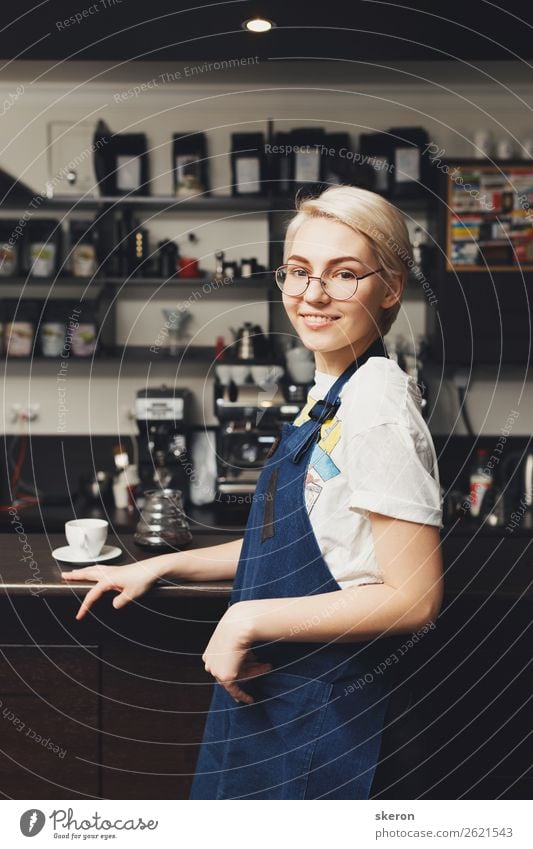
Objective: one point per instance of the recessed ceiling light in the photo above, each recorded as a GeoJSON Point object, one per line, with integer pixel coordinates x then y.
{"type": "Point", "coordinates": [258, 25]}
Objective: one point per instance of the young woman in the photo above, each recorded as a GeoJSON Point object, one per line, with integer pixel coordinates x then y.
{"type": "Point", "coordinates": [341, 554]}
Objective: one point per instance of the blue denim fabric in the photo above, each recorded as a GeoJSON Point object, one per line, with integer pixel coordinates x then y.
{"type": "Point", "coordinates": [312, 732]}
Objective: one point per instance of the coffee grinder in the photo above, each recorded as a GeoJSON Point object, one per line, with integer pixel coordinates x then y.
{"type": "Point", "coordinates": [163, 420]}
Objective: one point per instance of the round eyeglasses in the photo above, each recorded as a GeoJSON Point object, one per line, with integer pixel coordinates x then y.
{"type": "Point", "coordinates": [340, 285]}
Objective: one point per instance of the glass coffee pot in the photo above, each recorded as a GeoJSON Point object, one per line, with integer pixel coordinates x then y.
{"type": "Point", "coordinates": [163, 523]}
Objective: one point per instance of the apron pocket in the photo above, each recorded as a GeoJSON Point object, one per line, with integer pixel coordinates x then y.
{"type": "Point", "coordinates": [271, 742]}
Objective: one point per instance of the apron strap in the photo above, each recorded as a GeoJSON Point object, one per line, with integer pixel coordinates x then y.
{"type": "Point", "coordinates": [325, 409]}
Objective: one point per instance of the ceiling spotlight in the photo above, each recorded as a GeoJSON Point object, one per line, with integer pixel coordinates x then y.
{"type": "Point", "coordinates": [258, 25]}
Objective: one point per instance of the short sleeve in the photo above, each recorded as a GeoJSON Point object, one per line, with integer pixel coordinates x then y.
{"type": "Point", "coordinates": [388, 473]}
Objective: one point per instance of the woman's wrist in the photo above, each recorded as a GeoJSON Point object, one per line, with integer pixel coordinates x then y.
{"type": "Point", "coordinates": [243, 617]}
{"type": "Point", "coordinates": [167, 565]}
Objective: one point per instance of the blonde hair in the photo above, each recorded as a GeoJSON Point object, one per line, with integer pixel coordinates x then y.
{"type": "Point", "coordinates": [371, 216]}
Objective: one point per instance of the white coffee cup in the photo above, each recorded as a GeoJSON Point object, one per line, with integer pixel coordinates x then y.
{"type": "Point", "coordinates": [86, 536]}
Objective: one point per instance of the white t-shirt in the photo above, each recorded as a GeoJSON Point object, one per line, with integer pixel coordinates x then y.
{"type": "Point", "coordinates": [375, 455]}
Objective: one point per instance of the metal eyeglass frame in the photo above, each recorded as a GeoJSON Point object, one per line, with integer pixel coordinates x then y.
{"type": "Point", "coordinates": [322, 282]}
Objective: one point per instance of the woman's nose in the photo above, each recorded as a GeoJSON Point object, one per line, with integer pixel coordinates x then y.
{"type": "Point", "coordinates": [315, 291]}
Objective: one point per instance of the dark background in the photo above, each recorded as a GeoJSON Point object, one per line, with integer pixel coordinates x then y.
{"type": "Point", "coordinates": [370, 30]}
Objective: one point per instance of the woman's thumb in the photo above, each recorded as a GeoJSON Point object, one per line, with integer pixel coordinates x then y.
{"type": "Point", "coordinates": [120, 600]}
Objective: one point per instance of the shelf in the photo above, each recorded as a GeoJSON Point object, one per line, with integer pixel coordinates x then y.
{"type": "Point", "coordinates": [162, 203]}
{"type": "Point", "coordinates": [489, 269]}
{"type": "Point", "coordinates": [257, 280]}
{"type": "Point", "coordinates": [49, 281]}
{"type": "Point", "coordinates": [262, 279]}
{"type": "Point", "coordinates": [214, 203]}
{"type": "Point", "coordinates": [140, 353]}
{"type": "Point", "coordinates": [128, 353]}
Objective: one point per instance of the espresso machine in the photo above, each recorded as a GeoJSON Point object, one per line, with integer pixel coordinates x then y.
{"type": "Point", "coordinates": [251, 405]}
{"type": "Point", "coordinates": [163, 421]}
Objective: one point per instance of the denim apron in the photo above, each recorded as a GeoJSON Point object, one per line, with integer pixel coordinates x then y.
{"type": "Point", "coordinates": [314, 730]}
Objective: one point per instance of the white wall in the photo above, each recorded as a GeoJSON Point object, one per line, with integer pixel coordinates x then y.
{"type": "Point", "coordinates": [451, 102]}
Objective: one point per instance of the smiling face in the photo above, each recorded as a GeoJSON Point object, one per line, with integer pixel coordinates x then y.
{"type": "Point", "coordinates": [337, 331]}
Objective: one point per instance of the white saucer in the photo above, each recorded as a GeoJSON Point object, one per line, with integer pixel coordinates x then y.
{"type": "Point", "coordinates": [69, 555]}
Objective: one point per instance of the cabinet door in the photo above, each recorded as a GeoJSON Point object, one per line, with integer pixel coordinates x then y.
{"type": "Point", "coordinates": [49, 716]}
{"type": "Point", "coordinates": [153, 714]}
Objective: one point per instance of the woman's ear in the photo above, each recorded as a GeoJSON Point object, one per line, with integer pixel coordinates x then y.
{"type": "Point", "coordinates": [393, 290]}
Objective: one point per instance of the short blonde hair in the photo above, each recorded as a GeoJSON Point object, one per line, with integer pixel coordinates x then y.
{"type": "Point", "coordinates": [373, 217]}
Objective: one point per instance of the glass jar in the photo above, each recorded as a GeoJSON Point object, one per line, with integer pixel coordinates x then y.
{"type": "Point", "coordinates": [20, 328]}
{"type": "Point", "coordinates": [52, 331]}
{"type": "Point", "coordinates": [82, 249]}
{"type": "Point", "coordinates": [83, 332]}
{"type": "Point", "coordinates": [163, 523]}
{"type": "Point", "coordinates": [9, 251]}
{"type": "Point", "coordinates": [44, 243]}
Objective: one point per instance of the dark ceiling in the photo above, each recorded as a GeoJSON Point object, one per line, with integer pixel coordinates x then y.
{"type": "Point", "coordinates": [112, 30]}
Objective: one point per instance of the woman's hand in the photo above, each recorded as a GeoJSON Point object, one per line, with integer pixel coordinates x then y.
{"type": "Point", "coordinates": [228, 657]}
{"type": "Point", "coordinates": [129, 581]}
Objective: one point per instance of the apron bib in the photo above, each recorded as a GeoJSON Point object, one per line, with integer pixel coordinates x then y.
{"type": "Point", "coordinates": [314, 730]}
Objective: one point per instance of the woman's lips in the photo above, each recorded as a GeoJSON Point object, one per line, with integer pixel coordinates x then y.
{"type": "Point", "coordinates": [318, 321]}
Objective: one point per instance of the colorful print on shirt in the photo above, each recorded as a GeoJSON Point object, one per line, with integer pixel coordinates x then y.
{"type": "Point", "coordinates": [321, 466]}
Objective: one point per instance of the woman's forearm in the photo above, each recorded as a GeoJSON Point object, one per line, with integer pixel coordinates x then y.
{"type": "Point", "coordinates": [349, 615]}
{"type": "Point", "coordinates": [213, 563]}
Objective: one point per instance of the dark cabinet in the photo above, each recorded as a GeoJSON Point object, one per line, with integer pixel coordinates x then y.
{"type": "Point", "coordinates": [153, 715]}
{"type": "Point", "coordinates": [116, 711]}
{"type": "Point", "coordinates": [50, 721]}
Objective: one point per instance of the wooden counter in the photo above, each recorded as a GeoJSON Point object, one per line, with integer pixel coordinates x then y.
{"type": "Point", "coordinates": [40, 574]}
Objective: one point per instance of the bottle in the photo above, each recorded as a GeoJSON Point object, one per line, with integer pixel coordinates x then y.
{"type": "Point", "coordinates": [121, 491]}
{"type": "Point", "coordinates": [219, 348]}
{"type": "Point", "coordinates": [492, 510]}
{"type": "Point", "coordinates": [480, 481]}
{"type": "Point", "coordinates": [247, 268]}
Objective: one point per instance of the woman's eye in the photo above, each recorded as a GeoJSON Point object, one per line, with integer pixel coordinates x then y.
{"type": "Point", "coordinates": [345, 274]}
{"type": "Point", "coordinates": [297, 272]}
